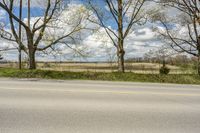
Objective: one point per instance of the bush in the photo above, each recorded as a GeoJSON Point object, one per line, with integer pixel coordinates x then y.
{"type": "Point", "coordinates": [164, 70]}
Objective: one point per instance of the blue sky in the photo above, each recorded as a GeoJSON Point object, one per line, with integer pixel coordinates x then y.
{"type": "Point", "coordinates": [39, 11]}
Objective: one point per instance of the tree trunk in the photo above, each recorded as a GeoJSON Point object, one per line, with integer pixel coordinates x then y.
{"type": "Point", "coordinates": [20, 36]}
{"type": "Point", "coordinates": [32, 62]}
{"type": "Point", "coordinates": [20, 58]}
{"type": "Point", "coordinates": [164, 63]}
{"type": "Point", "coordinates": [121, 67]}
{"type": "Point", "coordinates": [198, 60]}
{"type": "Point", "coordinates": [198, 65]}
{"type": "Point", "coordinates": [120, 50]}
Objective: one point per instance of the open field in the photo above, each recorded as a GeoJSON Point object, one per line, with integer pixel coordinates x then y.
{"type": "Point", "coordinates": [141, 68]}
{"type": "Point", "coordinates": [136, 72]}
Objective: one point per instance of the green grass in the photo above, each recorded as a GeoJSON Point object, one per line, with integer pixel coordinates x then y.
{"type": "Point", "coordinates": [155, 78]}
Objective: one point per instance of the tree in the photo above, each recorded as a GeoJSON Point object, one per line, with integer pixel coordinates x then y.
{"type": "Point", "coordinates": [183, 31]}
{"type": "Point", "coordinates": [36, 30]}
{"type": "Point", "coordinates": [124, 13]}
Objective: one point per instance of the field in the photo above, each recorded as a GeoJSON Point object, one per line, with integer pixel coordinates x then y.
{"type": "Point", "coordinates": [140, 68]}
{"type": "Point", "coordinates": [136, 72]}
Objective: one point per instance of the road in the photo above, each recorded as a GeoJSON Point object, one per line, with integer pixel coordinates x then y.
{"type": "Point", "coordinates": [97, 107]}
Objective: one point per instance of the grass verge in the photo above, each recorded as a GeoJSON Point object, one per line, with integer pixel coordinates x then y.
{"type": "Point", "coordinates": [154, 78]}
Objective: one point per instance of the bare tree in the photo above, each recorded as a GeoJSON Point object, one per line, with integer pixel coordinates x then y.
{"type": "Point", "coordinates": [35, 30]}
{"type": "Point", "coordinates": [183, 31]}
{"type": "Point", "coordinates": [124, 13]}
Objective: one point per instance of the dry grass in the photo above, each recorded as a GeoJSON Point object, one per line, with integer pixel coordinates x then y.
{"type": "Point", "coordinates": [141, 68]}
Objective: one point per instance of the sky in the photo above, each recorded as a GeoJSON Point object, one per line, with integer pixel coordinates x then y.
{"type": "Point", "coordinates": [97, 46]}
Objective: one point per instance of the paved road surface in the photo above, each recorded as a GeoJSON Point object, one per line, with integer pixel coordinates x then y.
{"type": "Point", "coordinates": [97, 107]}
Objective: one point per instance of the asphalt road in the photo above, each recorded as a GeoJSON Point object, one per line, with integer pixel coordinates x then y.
{"type": "Point", "coordinates": [97, 107]}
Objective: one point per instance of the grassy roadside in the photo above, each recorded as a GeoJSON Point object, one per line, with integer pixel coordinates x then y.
{"type": "Point", "coordinates": [154, 78]}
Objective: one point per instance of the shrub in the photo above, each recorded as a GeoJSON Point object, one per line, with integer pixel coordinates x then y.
{"type": "Point", "coordinates": [164, 70]}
